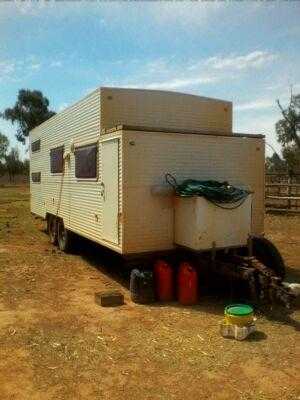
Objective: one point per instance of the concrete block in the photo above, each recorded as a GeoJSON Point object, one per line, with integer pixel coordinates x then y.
{"type": "Point", "coordinates": [109, 298]}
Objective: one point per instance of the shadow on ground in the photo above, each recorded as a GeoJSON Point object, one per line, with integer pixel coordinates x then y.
{"type": "Point", "coordinates": [257, 336]}
{"type": "Point", "coordinates": [215, 293]}
{"type": "Point", "coordinates": [292, 275]}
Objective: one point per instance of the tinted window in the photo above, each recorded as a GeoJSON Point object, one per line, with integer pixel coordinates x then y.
{"type": "Point", "coordinates": [86, 161]}
{"type": "Point", "coordinates": [56, 159]}
{"type": "Point", "coordinates": [36, 145]}
{"type": "Point", "coordinates": [36, 177]}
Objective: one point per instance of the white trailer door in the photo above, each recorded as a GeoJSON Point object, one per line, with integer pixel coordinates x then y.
{"type": "Point", "coordinates": [110, 190]}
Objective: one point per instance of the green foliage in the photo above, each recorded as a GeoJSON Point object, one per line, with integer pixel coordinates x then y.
{"type": "Point", "coordinates": [288, 128]}
{"type": "Point", "coordinates": [29, 111]}
{"type": "Point", "coordinates": [13, 163]}
{"type": "Point", "coordinates": [26, 167]}
{"type": "Point", "coordinates": [4, 143]}
{"type": "Point", "coordinates": [275, 164]}
{"type": "Point", "coordinates": [291, 154]}
{"type": "Point", "coordinates": [288, 133]}
{"type": "Point", "coordinates": [10, 163]}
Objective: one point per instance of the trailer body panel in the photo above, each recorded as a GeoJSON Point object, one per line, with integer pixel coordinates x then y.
{"type": "Point", "coordinates": [132, 218]}
{"type": "Point", "coordinates": [148, 157]}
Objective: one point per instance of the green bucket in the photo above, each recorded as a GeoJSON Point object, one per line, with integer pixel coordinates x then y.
{"type": "Point", "coordinates": [239, 314]}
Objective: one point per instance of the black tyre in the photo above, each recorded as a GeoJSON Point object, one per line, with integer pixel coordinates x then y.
{"type": "Point", "coordinates": [52, 229]}
{"type": "Point", "coordinates": [266, 252]}
{"type": "Point", "coordinates": [64, 237]}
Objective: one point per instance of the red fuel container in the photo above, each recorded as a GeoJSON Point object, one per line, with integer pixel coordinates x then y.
{"type": "Point", "coordinates": [163, 276]}
{"type": "Point", "coordinates": [187, 281]}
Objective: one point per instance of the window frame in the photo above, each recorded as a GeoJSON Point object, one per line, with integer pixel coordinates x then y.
{"type": "Point", "coordinates": [81, 146]}
{"type": "Point", "coordinates": [40, 177]}
{"type": "Point", "coordinates": [62, 147]}
{"type": "Point", "coordinates": [39, 146]}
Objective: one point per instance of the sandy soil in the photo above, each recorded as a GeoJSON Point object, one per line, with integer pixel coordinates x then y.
{"type": "Point", "coordinates": [56, 343]}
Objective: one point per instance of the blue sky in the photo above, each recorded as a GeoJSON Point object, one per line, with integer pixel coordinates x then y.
{"type": "Point", "coordinates": [247, 52]}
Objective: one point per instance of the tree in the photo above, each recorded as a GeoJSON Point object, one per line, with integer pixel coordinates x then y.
{"type": "Point", "coordinates": [13, 163]}
{"type": "Point", "coordinates": [4, 143]}
{"type": "Point", "coordinates": [288, 132]}
{"type": "Point", "coordinates": [291, 154]}
{"type": "Point", "coordinates": [2, 168]}
{"type": "Point", "coordinates": [275, 164]}
{"type": "Point", "coordinates": [29, 111]}
{"type": "Point", "coordinates": [25, 167]}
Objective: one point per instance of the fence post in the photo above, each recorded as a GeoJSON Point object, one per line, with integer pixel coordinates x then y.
{"type": "Point", "coordinates": [289, 192]}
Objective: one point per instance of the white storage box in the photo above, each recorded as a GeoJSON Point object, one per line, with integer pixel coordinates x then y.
{"type": "Point", "coordinates": [201, 225]}
{"type": "Point", "coordinates": [235, 331]}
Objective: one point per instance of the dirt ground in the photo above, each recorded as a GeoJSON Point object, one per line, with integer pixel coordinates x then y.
{"type": "Point", "coordinates": [56, 343]}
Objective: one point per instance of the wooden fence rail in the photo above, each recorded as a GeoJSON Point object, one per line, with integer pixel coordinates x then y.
{"type": "Point", "coordinates": [283, 197]}
{"type": "Point", "coordinates": [282, 178]}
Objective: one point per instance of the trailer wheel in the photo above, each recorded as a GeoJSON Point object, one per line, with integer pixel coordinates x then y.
{"type": "Point", "coordinates": [64, 237]}
{"type": "Point", "coordinates": [52, 229]}
{"type": "Point", "coordinates": [266, 252]}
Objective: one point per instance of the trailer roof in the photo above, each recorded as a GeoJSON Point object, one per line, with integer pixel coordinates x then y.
{"type": "Point", "coordinates": [182, 131]}
{"type": "Point", "coordinates": [169, 92]}
{"type": "Point", "coordinates": [124, 89]}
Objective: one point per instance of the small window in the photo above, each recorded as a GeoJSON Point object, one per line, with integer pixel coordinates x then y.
{"type": "Point", "coordinates": [36, 177]}
{"type": "Point", "coordinates": [56, 160]}
{"type": "Point", "coordinates": [36, 146]}
{"type": "Point", "coordinates": [86, 161]}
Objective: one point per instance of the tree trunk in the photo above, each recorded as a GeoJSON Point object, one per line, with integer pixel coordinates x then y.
{"type": "Point", "coordinates": [296, 138]}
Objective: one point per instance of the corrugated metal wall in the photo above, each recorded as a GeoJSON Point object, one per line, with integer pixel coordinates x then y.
{"type": "Point", "coordinates": [77, 201]}
{"type": "Point", "coordinates": [162, 109]}
{"type": "Point", "coordinates": [148, 219]}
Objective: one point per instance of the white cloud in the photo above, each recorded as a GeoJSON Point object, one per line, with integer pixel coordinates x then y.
{"type": "Point", "coordinates": [274, 86]}
{"type": "Point", "coordinates": [261, 124]}
{"type": "Point", "coordinates": [165, 14]}
{"type": "Point", "coordinates": [168, 75]}
{"type": "Point", "coordinates": [282, 87]}
{"type": "Point", "coordinates": [35, 66]}
{"type": "Point", "coordinates": [296, 87]}
{"type": "Point", "coordinates": [157, 66]}
{"type": "Point", "coordinates": [15, 70]}
{"type": "Point", "coordinates": [192, 14]}
{"type": "Point", "coordinates": [165, 75]}
{"type": "Point", "coordinates": [191, 74]}
{"type": "Point", "coordinates": [55, 64]}
{"type": "Point", "coordinates": [255, 105]}
{"type": "Point", "coordinates": [62, 106]}
{"type": "Point", "coordinates": [23, 8]}
{"type": "Point", "coordinates": [255, 59]}
{"type": "Point", "coordinates": [173, 84]}
{"type": "Point", "coordinates": [7, 68]}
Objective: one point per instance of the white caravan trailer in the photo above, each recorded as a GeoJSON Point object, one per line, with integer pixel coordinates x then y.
{"type": "Point", "coordinates": [98, 170]}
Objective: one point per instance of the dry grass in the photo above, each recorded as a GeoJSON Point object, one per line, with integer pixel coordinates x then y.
{"type": "Point", "coordinates": [56, 343]}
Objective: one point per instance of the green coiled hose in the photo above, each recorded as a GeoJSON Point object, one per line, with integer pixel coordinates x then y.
{"type": "Point", "coordinates": [218, 193]}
